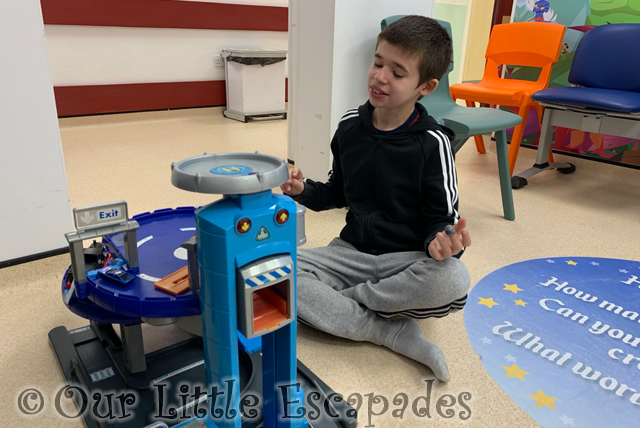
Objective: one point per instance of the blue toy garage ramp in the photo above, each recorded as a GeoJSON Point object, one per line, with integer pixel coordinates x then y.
{"type": "Point", "coordinates": [561, 336]}
{"type": "Point", "coordinates": [159, 240]}
{"type": "Point", "coordinates": [160, 237]}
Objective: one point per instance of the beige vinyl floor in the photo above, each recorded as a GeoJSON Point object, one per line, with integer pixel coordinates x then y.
{"type": "Point", "coordinates": [593, 212]}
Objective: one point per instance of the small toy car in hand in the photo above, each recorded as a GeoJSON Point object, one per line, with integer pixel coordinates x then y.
{"type": "Point", "coordinates": [118, 276]}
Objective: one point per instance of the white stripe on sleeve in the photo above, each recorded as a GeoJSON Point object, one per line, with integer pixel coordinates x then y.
{"type": "Point", "coordinates": [448, 173]}
{"type": "Point", "coordinates": [349, 114]}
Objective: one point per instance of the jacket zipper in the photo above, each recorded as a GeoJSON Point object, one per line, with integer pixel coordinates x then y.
{"type": "Point", "coordinates": [372, 170]}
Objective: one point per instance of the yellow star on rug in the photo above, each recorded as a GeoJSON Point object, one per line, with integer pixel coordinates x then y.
{"type": "Point", "coordinates": [487, 302]}
{"type": "Point", "coordinates": [520, 302]}
{"type": "Point", "coordinates": [571, 262]}
{"type": "Point", "coordinates": [512, 287]}
{"type": "Point", "coordinates": [515, 371]}
{"type": "Point", "coordinates": [543, 399]}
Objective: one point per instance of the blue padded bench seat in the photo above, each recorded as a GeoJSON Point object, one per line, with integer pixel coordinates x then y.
{"type": "Point", "coordinates": [604, 100]}
{"type": "Point", "coordinates": [597, 98]}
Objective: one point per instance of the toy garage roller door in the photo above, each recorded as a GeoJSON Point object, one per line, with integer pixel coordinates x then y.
{"type": "Point", "coordinates": [265, 295]}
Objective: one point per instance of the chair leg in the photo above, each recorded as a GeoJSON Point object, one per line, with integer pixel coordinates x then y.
{"type": "Point", "coordinates": [546, 137]}
{"type": "Point", "coordinates": [505, 176]}
{"type": "Point", "coordinates": [478, 138]}
{"type": "Point", "coordinates": [480, 144]}
{"type": "Point", "coordinates": [518, 131]}
{"type": "Point", "coordinates": [540, 110]}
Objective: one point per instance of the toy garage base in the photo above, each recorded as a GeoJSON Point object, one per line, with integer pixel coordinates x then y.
{"type": "Point", "coordinates": [94, 358]}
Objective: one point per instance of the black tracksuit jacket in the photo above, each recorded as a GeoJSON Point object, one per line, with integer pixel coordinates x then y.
{"type": "Point", "coordinates": [400, 188]}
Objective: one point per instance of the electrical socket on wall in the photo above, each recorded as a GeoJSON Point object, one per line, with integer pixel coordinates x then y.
{"type": "Point", "coordinates": [218, 61]}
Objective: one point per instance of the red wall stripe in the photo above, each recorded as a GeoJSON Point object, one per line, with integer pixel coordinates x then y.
{"type": "Point", "coordinates": [98, 99]}
{"type": "Point", "coordinates": [165, 14]}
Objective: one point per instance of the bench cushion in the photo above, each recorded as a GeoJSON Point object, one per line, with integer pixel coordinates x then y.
{"type": "Point", "coordinates": [597, 98]}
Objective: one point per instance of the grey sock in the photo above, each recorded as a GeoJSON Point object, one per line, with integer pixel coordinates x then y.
{"type": "Point", "coordinates": [410, 342]}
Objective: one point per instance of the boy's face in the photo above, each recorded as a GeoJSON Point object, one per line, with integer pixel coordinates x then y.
{"type": "Point", "coordinates": [394, 78]}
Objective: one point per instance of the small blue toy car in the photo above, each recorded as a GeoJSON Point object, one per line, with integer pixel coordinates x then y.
{"type": "Point", "coordinates": [116, 275]}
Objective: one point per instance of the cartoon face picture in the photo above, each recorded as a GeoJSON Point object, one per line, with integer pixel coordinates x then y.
{"type": "Point", "coordinates": [536, 10]}
{"type": "Point", "coordinates": [539, 8]}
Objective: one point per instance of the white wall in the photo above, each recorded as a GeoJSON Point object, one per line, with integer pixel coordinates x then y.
{"type": "Point", "coordinates": [91, 55]}
{"type": "Point", "coordinates": [34, 199]}
{"type": "Point", "coordinates": [311, 28]}
{"type": "Point", "coordinates": [332, 46]}
{"type": "Point", "coordinates": [84, 55]}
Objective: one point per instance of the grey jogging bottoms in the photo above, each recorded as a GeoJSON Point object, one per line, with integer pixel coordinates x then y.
{"type": "Point", "coordinates": [345, 292]}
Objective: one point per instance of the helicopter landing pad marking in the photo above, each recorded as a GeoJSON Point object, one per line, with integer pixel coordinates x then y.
{"type": "Point", "coordinates": [231, 170]}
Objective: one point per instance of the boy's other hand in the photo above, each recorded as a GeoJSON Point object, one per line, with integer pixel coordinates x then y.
{"type": "Point", "coordinates": [444, 246]}
{"type": "Point", "coordinates": [294, 185]}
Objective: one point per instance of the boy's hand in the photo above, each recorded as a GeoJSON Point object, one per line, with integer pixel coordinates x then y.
{"type": "Point", "coordinates": [444, 246]}
{"type": "Point", "coordinates": [294, 185]}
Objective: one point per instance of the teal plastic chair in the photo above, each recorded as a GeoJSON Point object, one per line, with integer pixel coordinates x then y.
{"type": "Point", "coordinates": [467, 122]}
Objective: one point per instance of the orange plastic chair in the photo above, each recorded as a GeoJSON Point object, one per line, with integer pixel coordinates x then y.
{"type": "Point", "coordinates": [530, 44]}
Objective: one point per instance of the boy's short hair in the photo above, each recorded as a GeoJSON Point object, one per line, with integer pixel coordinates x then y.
{"type": "Point", "coordinates": [424, 38]}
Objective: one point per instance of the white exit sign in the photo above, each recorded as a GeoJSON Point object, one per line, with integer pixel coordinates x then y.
{"type": "Point", "coordinates": [92, 216]}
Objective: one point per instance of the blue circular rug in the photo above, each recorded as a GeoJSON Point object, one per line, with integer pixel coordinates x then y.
{"type": "Point", "coordinates": [561, 336]}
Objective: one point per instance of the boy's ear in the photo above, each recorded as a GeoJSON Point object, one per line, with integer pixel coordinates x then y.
{"type": "Point", "coordinates": [428, 87]}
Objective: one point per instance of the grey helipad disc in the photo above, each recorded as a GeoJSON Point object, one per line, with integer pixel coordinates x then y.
{"type": "Point", "coordinates": [229, 173]}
